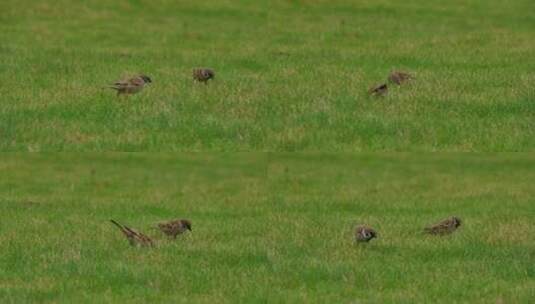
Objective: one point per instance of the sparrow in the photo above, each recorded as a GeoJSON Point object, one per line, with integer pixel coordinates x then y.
{"type": "Point", "coordinates": [134, 237]}
{"type": "Point", "coordinates": [132, 85]}
{"type": "Point", "coordinates": [379, 90]}
{"type": "Point", "coordinates": [175, 227]}
{"type": "Point", "coordinates": [399, 77]}
{"type": "Point", "coordinates": [203, 74]}
{"type": "Point", "coordinates": [364, 234]}
{"type": "Point", "coordinates": [444, 227]}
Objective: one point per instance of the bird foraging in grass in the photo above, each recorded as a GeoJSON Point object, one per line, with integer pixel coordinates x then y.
{"type": "Point", "coordinates": [379, 90]}
{"type": "Point", "coordinates": [444, 227]}
{"type": "Point", "coordinates": [175, 227]}
{"type": "Point", "coordinates": [203, 74]}
{"type": "Point", "coordinates": [364, 234]}
{"type": "Point", "coordinates": [131, 85]}
{"type": "Point", "coordinates": [399, 77]}
{"type": "Point", "coordinates": [134, 237]}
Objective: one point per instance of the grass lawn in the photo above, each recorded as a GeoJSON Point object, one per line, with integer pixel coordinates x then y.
{"type": "Point", "coordinates": [273, 228]}
{"type": "Point", "coordinates": [291, 75]}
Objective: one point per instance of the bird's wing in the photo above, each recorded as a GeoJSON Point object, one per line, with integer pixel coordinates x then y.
{"type": "Point", "coordinates": [136, 234]}
{"type": "Point", "coordinates": [132, 82]}
{"type": "Point", "coordinates": [440, 227]}
{"type": "Point", "coordinates": [144, 239]}
{"type": "Point", "coordinates": [131, 232]}
{"type": "Point", "coordinates": [136, 81]}
{"type": "Point", "coordinates": [432, 229]}
{"type": "Point", "coordinates": [445, 224]}
{"type": "Point", "coordinates": [164, 227]}
{"type": "Point", "coordinates": [119, 85]}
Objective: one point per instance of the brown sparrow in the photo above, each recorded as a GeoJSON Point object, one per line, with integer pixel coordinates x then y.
{"type": "Point", "coordinates": [364, 234]}
{"type": "Point", "coordinates": [132, 85]}
{"type": "Point", "coordinates": [379, 90]}
{"type": "Point", "coordinates": [203, 74]}
{"type": "Point", "coordinates": [175, 227]}
{"type": "Point", "coordinates": [444, 227]}
{"type": "Point", "coordinates": [399, 78]}
{"type": "Point", "coordinates": [134, 237]}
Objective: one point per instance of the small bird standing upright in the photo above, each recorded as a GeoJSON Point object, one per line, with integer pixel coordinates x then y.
{"type": "Point", "coordinates": [134, 237]}
{"type": "Point", "coordinates": [399, 77]}
{"type": "Point", "coordinates": [444, 227]}
{"type": "Point", "coordinates": [379, 90]}
{"type": "Point", "coordinates": [175, 227]}
{"type": "Point", "coordinates": [131, 85]}
{"type": "Point", "coordinates": [364, 234]}
{"type": "Point", "coordinates": [203, 74]}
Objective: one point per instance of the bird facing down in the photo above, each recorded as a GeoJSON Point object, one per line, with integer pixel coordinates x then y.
{"type": "Point", "coordinates": [364, 234]}
{"type": "Point", "coordinates": [134, 237]}
{"type": "Point", "coordinates": [379, 90]}
{"type": "Point", "coordinates": [175, 227]}
{"type": "Point", "coordinates": [399, 78]}
{"type": "Point", "coordinates": [203, 74]}
{"type": "Point", "coordinates": [132, 85]}
{"type": "Point", "coordinates": [444, 227]}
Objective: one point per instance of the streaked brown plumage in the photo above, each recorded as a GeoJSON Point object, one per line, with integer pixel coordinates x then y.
{"type": "Point", "coordinates": [134, 237]}
{"type": "Point", "coordinates": [203, 74]}
{"type": "Point", "coordinates": [364, 234]}
{"type": "Point", "coordinates": [379, 90]}
{"type": "Point", "coordinates": [399, 77]}
{"type": "Point", "coordinates": [175, 227]}
{"type": "Point", "coordinates": [132, 85]}
{"type": "Point", "coordinates": [444, 227]}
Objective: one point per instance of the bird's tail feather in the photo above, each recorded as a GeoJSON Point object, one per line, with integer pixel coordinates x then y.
{"type": "Point", "coordinates": [125, 229]}
{"type": "Point", "coordinates": [129, 230]}
{"type": "Point", "coordinates": [117, 224]}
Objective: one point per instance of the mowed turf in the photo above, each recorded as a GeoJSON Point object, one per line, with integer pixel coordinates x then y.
{"type": "Point", "coordinates": [291, 75]}
{"type": "Point", "coordinates": [273, 228]}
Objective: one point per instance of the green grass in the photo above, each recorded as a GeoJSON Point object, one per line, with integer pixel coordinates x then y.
{"type": "Point", "coordinates": [273, 228]}
{"type": "Point", "coordinates": [291, 75]}
{"type": "Point", "coordinates": [267, 227]}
